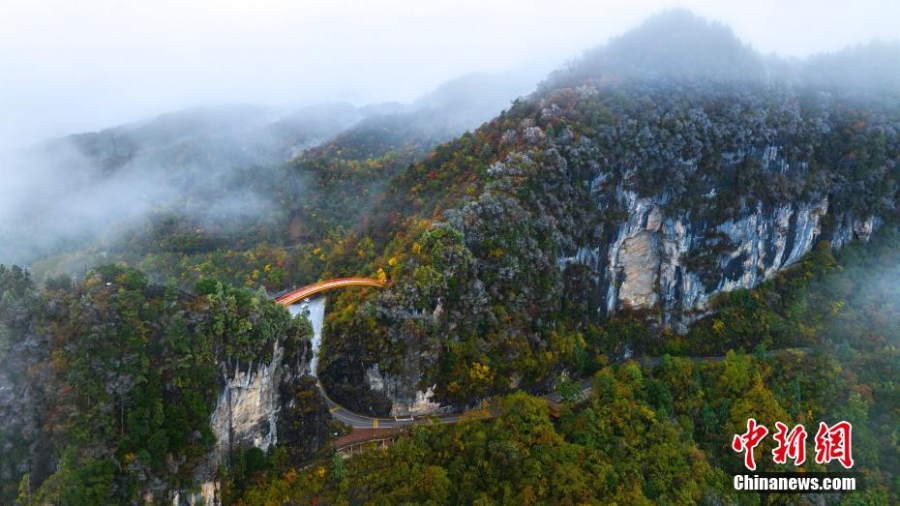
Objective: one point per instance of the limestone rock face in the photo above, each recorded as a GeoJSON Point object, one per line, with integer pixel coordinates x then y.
{"type": "Point", "coordinates": [647, 264]}
{"type": "Point", "coordinates": [637, 263]}
{"type": "Point", "coordinates": [258, 408]}
{"type": "Point", "coordinates": [247, 407]}
{"type": "Point", "coordinates": [407, 400]}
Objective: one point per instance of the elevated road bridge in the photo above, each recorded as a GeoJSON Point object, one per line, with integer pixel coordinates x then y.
{"type": "Point", "coordinates": [308, 291]}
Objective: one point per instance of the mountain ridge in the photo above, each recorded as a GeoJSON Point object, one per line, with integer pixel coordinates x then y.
{"type": "Point", "coordinates": [601, 218]}
{"type": "Point", "coordinates": [598, 200]}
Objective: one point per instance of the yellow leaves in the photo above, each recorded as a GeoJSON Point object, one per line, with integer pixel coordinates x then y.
{"type": "Point", "coordinates": [549, 357]}
{"type": "Point", "coordinates": [346, 313]}
{"type": "Point", "coordinates": [497, 253]}
{"type": "Point", "coordinates": [579, 340]}
{"type": "Point", "coordinates": [320, 472]}
{"type": "Point", "coordinates": [380, 275]}
{"type": "Point", "coordinates": [392, 261]}
{"type": "Point", "coordinates": [836, 307]}
{"type": "Point", "coordinates": [718, 326]}
{"type": "Point", "coordinates": [365, 248]}
{"type": "Point", "coordinates": [481, 373]}
{"type": "Point", "coordinates": [647, 413]}
{"type": "Point", "coordinates": [416, 248]}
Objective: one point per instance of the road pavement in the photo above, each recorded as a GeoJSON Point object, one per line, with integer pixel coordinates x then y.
{"type": "Point", "coordinates": [358, 421]}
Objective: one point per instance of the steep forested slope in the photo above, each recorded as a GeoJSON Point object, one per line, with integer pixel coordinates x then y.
{"type": "Point", "coordinates": [220, 181]}
{"type": "Point", "coordinates": [625, 188]}
{"type": "Point", "coordinates": [108, 386]}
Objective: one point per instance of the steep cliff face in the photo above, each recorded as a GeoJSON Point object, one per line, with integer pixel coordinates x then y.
{"type": "Point", "coordinates": [261, 406]}
{"type": "Point", "coordinates": [561, 237]}
{"type": "Point", "coordinates": [648, 264]}
{"type": "Point", "coordinates": [116, 389]}
{"type": "Point", "coordinates": [248, 406]}
{"type": "Point", "coordinates": [255, 398]}
{"type": "Point", "coordinates": [406, 398]}
{"type": "Point", "coordinates": [245, 417]}
{"type": "Point", "coordinates": [607, 209]}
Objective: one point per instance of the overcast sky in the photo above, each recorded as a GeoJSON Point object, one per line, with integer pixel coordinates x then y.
{"type": "Point", "coordinates": [68, 66]}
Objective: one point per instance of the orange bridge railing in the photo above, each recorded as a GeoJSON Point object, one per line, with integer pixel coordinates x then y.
{"type": "Point", "coordinates": [310, 290]}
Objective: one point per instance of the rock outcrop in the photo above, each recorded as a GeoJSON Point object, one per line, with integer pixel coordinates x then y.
{"type": "Point", "coordinates": [407, 399]}
{"type": "Point", "coordinates": [261, 405]}
{"type": "Point", "coordinates": [648, 265]}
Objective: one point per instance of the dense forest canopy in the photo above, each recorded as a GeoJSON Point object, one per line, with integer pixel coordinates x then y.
{"type": "Point", "coordinates": [512, 253]}
{"type": "Point", "coordinates": [492, 218]}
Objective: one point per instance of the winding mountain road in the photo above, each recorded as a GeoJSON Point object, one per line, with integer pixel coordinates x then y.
{"type": "Point", "coordinates": [358, 421]}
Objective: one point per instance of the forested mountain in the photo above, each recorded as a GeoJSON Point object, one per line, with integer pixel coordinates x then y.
{"type": "Point", "coordinates": [613, 213]}
{"type": "Point", "coordinates": [212, 173]}
{"type": "Point", "coordinates": [613, 192]}
{"type": "Point", "coordinates": [671, 194]}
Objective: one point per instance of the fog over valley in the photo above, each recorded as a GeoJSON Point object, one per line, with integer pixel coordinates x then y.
{"type": "Point", "coordinates": [196, 164]}
{"type": "Point", "coordinates": [76, 189]}
{"type": "Point", "coordinates": [75, 67]}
